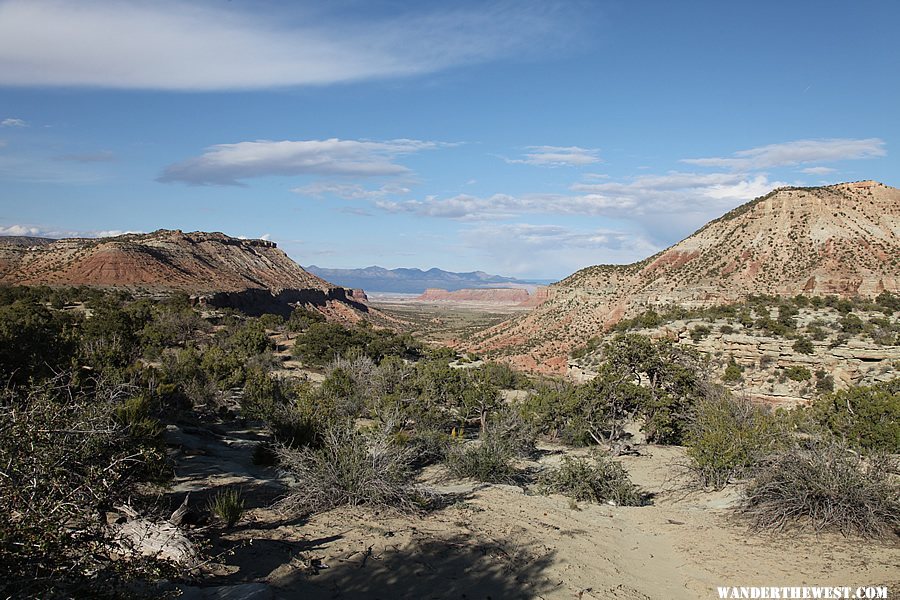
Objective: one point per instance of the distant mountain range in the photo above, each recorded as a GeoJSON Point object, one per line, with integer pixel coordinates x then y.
{"type": "Point", "coordinates": [416, 281]}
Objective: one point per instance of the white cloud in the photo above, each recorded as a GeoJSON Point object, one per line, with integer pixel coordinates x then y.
{"type": "Point", "coordinates": [553, 250]}
{"type": "Point", "coordinates": [650, 194]}
{"type": "Point", "coordinates": [225, 164]}
{"type": "Point", "coordinates": [35, 231]}
{"type": "Point", "coordinates": [557, 156]}
{"type": "Point", "coordinates": [10, 122]}
{"type": "Point", "coordinates": [207, 45]}
{"type": "Point", "coordinates": [817, 170]}
{"type": "Point", "coordinates": [349, 191]}
{"type": "Point", "coordinates": [795, 153]}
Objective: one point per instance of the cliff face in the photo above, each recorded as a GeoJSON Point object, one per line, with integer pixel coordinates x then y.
{"type": "Point", "coordinates": [842, 239]}
{"type": "Point", "coordinates": [764, 357]}
{"type": "Point", "coordinates": [195, 262]}
{"type": "Point", "coordinates": [485, 295]}
{"type": "Point", "coordinates": [253, 275]}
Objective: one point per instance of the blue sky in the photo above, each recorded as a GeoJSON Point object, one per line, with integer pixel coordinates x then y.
{"type": "Point", "coordinates": [520, 138]}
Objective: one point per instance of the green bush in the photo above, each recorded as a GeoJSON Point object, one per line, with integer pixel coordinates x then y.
{"type": "Point", "coordinates": [598, 480]}
{"type": "Point", "coordinates": [729, 438]}
{"type": "Point", "coordinates": [489, 460]}
{"type": "Point", "coordinates": [797, 373]}
{"type": "Point", "coordinates": [700, 332]}
{"type": "Point", "coordinates": [867, 417]}
{"type": "Point", "coordinates": [227, 505]}
{"type": "Point", "coordinates": [803, 345]}
{"type": "Point", "coordinates": [851, 324]}
{"type": "Point", "coordinates": [733, 372]}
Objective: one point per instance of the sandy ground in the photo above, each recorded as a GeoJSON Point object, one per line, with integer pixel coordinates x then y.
{"type": "Point", "coordinates": [500, 541]}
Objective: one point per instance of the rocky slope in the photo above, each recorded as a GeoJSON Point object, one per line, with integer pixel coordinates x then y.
{"type": "Point", "coordinates": [253, 275]}
{"type": "Point", "coordinates": [842, 239]}
{"type": "Point", "coordinates": [485, 295]}
{"type": "Point", "coordinates": [772, 369]}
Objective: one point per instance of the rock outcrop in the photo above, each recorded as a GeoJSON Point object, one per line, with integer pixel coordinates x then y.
{"type": "Point", "coordinates": [764, 358]}
{"type": "Point", "coordinates": [218, 270]}
{"type": "Point", "coordinates": [842, 239]}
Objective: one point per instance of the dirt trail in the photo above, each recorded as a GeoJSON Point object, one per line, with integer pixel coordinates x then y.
{"type": "Point", "coordinates": [499, 541]}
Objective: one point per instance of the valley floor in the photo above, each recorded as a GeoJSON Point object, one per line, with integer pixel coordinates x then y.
{"type": "Point", "coordinates": [501, 541]}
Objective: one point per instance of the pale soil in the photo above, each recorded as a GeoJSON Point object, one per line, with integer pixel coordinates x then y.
{"type": "Point", "coordinates": [499, 541]}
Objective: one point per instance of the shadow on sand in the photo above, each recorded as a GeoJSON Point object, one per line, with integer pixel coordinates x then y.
{"type": "Point", "coordinates": [457, 566]}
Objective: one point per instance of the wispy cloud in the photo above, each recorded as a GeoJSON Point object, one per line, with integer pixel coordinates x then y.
{"type": "Point", "coordinates": [207, 45]}
{"type": "Point", "coordinates": [795, 153]}
{"type": "Point", "coordinates": [38, 231]}
{"type": "Point", "coordinates": [553, 250]}
{"type": "Point", "coordinates": [817, 170]}
{"type": "Point", "coordinates": [502, 206]}
{"type": "Point", "coordinates": [557, 156]}
{"type": "Point", "coordinates": [10, 122]}
{"type": "Point", "coordinates": [670, 193]}
{"type": "Point", "coordinates": [226, 164]}
{"type": "Point", "coordinates": [349, 191]}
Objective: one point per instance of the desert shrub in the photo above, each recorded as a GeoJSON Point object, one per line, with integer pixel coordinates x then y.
{"type": "Point", "coordinates": [341, 393]}
{"type": "Point", "coordinates": [866, 417]}
{"type": "Point", "coordinates": [227, 505]}
{"type": "Point", "coordinates": [428, 446]}
{"type": "Point", "coordinates": [597, 480]}
{"type": "Point", "coordinates": [262, 394]}
{"type": "Point", "coordinates": [480, 398]}
{"type": "Point", "coordinates": [726, 329]}
{"type": "Point", "coordinates": [816, 332]}
{"type": "Point", "coordinates": [504, 376]}
{"type": "Point", "coordinates": [352, 468]}
{"type": "Point", "coordinates": [674, 376]}
{"type": "Point", "coordinates": [34, 341]}
{"type": "Point", "coordinates": [488, 459]}
{"type": "Point", "coordinates": [171, 325]}
{"type": "Point", "coordinates": [733, 372]}
{"type": "Point", "coordinates": [66, 456]}
{"type": "Point", "coordinates": [888, 301]}
{"type": "Point", "coordinates": [519, 434]}
{"type": "Point", "coordinates": [549, 409]}
{"type": "Point", "coordinates": [729, 438]}
{"type": "Point", "coordinates": [824, 486]}
{"type": "Point", "coordinates": [797, 373]}
{"type": "Point", "coordinates": [301, 318]}
{"type": "Point", "coordinates": [322, 342]}
{"type": "Point", "coordinates": [135, 415]}
{"type": "Point", "coordinates": [249, 339]}
{"type": "Point", "coordinates": [803, 345]}
{"type": "Point", "coordinates": [824, 382]}
{"type": "Point", "coordinates": [851, 324]}
{"type": "Point", "coordinates": [225, 368]}
{"type": "Point", "coordinates": [700, 332]}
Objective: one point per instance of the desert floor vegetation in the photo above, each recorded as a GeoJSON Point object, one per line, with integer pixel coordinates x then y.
{"type": "Point", "coordinates": [224, 431]}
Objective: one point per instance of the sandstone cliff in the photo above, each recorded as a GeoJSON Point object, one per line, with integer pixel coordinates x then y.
{"type": "Point", "coordinates": [842, 239]}
{"type": "Point", "coordinates": [252, 275]}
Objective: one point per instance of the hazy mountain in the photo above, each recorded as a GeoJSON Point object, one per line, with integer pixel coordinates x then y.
{"type": "Point", "coordinates": [414, 281]}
